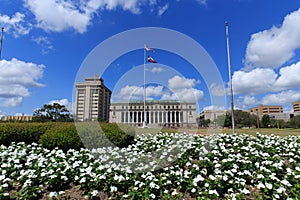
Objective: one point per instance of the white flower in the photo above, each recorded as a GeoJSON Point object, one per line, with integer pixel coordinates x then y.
{"type": "Point", "coordinates": [174, 192]}
{"type": "Point", "coordinates": [260, 185]}
{"type": "Point", "coordinates": [197, 179]}
{"type": "Point", "coordinates": [285, 182]}
{"type": "Point", "coordinates": [245, 191]}
{"type": "Point", "coordinates": [206, 184]}
{"type": "Point", "coordinates": [213, 192]}
{"type": "Point", "coordinates": [53, 194]}
{"type": "Point", "coordinates": [113, 189]}
{"type": "Point", "coordinates": [193, 190]}
{"type": "Point", "coordinates": [152, 196]}
{"type": "Point", "coordinates": [280, 190]}
{"type": "Point", "coordinates": [269, 186]}
{"type": "Point", "coordinates": [94, 193]}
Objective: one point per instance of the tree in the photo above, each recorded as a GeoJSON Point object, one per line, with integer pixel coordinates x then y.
{"type": "Point", "coordinates": [52, 112]}
{"type": "Point", "coordinates": [265, 121]}
{"type": "Point", "coordinates": [295, 122]}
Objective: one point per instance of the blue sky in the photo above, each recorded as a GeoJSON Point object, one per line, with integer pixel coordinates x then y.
{"type": "Point", "coordinates": [46, 44]}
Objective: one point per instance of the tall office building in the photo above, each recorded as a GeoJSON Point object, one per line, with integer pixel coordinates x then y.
{"type": "Point", "coordinates": [296, 106]}
{"type": "Point", "coordinates": [262, 110]}
{"type": "Point", "coordinates": [92, 100]}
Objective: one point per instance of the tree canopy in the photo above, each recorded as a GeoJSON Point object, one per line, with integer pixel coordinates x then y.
{"type": "Point", "coordinates": [52, 112]}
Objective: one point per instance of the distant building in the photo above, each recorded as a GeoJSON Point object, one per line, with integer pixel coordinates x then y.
{"type": "Point", "coordinates": [262, 110]}
{"type": "Point", "coordinates": [92, 100]}
{"type": "Point", "coordinates": [282, 116]}
{"type": "Point", "coordinates": [296, 106]}
{"type": "Point", "coordinates": [162, 113]}
{"type": "Point", "coordinates": [212, 115]}
{"type": "Point", "coordinates": [21, 118]}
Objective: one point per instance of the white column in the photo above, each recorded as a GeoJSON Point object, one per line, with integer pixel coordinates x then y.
{"type": "Point", "coordinates": [175, 119]}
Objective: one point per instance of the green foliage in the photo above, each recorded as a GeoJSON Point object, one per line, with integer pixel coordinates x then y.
{"type": "Point", "coordinates": [241, 119]}
{"type": "Point", "coordinates": [64, 137]}
{"type": "Point", "coordinates": [52, 112]}
{"type": "Point", "coordinates": [22, 132]}
{"type": "Point", "coordinates": [295, 122]}
{"type": "Point", "coordinates": [265, 121]}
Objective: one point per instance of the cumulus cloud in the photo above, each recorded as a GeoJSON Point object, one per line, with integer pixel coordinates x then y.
{"type": "Point", "coordinates": [16, 78]}
{"type": "Point", "coordinates": [179, 88]}
{"type": "Point", "coordinates": [63, 15]}
{"type": "Point", "coordinates": [257, 81]}
{"type": "Point", "coordinates": [157, 70]}
{"type": "Point", "coordinates": [289, 77]}
{"type": "Point", "coordinates": [69, 105]}
{"type": "Point", "coordinates": [217, 90]}
{"type": "Point", "coordinates": [274, 47]}
{"type": "Point", "coordinates": [262, 80]}
{"type": "Point", "coordinates": [136, 92]}
{"type": "Point", "coordinates": [15, 24]}
{"type": "Point", "coordinates": [285, 97]}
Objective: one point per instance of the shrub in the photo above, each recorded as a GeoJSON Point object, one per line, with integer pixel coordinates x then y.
{"type": "Point", "coordinates": [107, 134]}
{"type": "Point", "coordinates": [64, 137]}
{"type": "Point", "coordinates": [22, 132]}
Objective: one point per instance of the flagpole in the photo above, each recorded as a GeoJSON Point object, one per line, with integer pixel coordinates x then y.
{"type": "Point", "coordinates": [145, 116]}
{"type": "Point", "coordinates": [230, 79]}
{"type": "Point", "coordinates": [1, 39]}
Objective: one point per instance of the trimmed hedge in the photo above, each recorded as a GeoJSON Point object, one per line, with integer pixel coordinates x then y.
{"type": "Point", "coordinates": [22, 132]}
{"type": "Point", "coordinates": [66, 135]}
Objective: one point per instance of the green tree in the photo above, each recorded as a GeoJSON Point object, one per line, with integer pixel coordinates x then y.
{"type": "Point", "coordinates": [295, 122]}
{"type": "Point", "coordinates": [52, 112]}
{"type": "Point", "coordinates": [265, 121]}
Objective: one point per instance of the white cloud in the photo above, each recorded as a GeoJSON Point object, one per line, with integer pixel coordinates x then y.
{"type": "Point", "coordinates": [65, 102]}
{"type": "Point", "coordinates": [16, 77]}
{"type": "Point", "coordinates": [274, 47]}
{"type": "Point", "coordinates": [217, 90]}
{"type": "Point", "coordinates": [157, 70]}
{"type": "Point", "coordinates": [285, 97]}
{"type": "Point", "coordinates": [136, 92]}
{"type": "Point", "coordinates": [202, 2]}
{"type": "Point", "coordinates": [58, 15]}
{"type": "Point", "coordinates": [15, 24]}
{"type": "Point", "coordinates": [44, 42]}
{"type": "Point", "coordinates": [289, 77]}
{"type": "Point", "coordinates": [257, 81]}
{"type": "Point", "coordinates": [179, 88]}
{"type": "Point", "coordinates": [243, 102]}
{"type": "Point", "coordinates": [212, 107]}
{"type": "Point", "coordinates": [163, 9]}
{"type": "Point", "coordinates": [177, 83]}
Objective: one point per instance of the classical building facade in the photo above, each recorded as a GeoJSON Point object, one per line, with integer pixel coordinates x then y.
{"type": "Point", "coordinates": [92, 100]}
{"type": "Point", "coordinates": [296, 106]}
{"type": "Point", "coordinates": [262, 110]}
{"type": "Point", "coordinates": [162, 113]}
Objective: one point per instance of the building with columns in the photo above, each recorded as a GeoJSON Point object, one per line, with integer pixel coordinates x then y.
{"type": "Point", "coordinates": [92, 100]}
{"type": "Point", "coordinates": [159, 113]}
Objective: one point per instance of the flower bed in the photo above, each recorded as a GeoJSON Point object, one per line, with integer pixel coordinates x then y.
{"type": "Point", "coordinates": [162, 166]}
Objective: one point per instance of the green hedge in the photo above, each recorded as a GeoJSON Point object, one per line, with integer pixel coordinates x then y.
{"type": "Point", "coordinates": [107, 134]}
{"type": "Point", "coordinates": [64, 137]}
{"type": "Point", "coordinates": [67, 135]}
{"type": "Point", "coordinates": [22, 132]}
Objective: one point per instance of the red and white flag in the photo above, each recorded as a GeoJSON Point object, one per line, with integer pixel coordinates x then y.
{"type": "Point", "coordinates": [149, 49]}
{"type": "Point", "coordinates": [150, 59]}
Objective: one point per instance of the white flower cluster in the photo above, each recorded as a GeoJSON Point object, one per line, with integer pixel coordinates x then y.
{"type": "Point", "coordinates": [161, 166]}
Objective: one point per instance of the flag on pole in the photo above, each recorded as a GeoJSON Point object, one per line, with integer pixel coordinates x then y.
{"type": "Point", "coordinates": [150, 59]}
{"type": "Point", "coordinates": [149, 49]}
